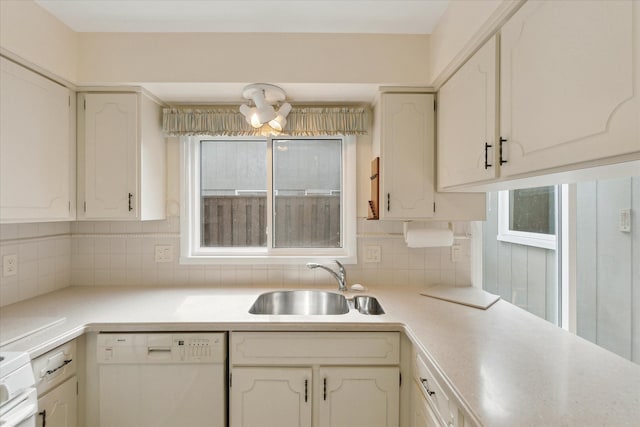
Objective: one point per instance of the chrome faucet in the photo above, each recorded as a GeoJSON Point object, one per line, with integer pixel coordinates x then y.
{"type": "Point", "coordinates": [341, 276]}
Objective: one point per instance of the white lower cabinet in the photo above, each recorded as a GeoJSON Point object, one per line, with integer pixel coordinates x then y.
{"type": "Point", "coordinates": [433, 401]}
{"type": "Point", "coordinates": [268, 396]}
{"type": "Point", "coordinates": [59, 407]}
{"type": "Point", "coordinates": [358, 396]}
{"type": "Point", "coordinates": [314, 379]}
{"type": "Point", "coordinates": [423, 415]}
{"type": "Point", "coordinates": [57, 385]}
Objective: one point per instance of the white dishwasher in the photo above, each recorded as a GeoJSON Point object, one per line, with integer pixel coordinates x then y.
{"type": "Point", "coordinates": [162, 379]}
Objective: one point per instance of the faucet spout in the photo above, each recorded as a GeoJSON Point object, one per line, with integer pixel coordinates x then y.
{"type": "Point", "coordinates": [340, 276]}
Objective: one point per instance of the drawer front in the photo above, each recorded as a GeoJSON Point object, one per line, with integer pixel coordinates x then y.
{"type": "Point", "coordinates": [304, 348]}
{"type": "Point", "coordinates": [434, 393]}
{"type": "Point", "coordinates": [55, 366]}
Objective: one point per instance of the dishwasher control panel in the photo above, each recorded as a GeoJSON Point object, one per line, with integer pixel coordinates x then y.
{"type": "Point", "coordinates": [119, 348]}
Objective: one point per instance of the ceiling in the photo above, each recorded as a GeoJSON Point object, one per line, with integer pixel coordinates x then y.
{"type": "Point", "coordinates": [289, 16]}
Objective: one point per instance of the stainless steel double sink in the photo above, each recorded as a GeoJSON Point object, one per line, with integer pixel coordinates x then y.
{"type": "Point", "coordinates": [307, 302]}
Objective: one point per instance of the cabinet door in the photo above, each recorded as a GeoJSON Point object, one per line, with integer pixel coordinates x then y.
{"type": "Point", "coordinates": [569, 93]}
{"type": "Point", "coordinates": [467, 121]}
{"type": "Point", "coordinates": [270, 397]}
{"type": "Point", "coordinates": [37, 151]}
{"type": "Point", "coordinates": [110, 155]}
{"type": "Point", "coordinates": [358, 396]}
{"type": "Point", "coordinates": [407, 156]}
{"type": "Point", "coordinates": [58, 408]}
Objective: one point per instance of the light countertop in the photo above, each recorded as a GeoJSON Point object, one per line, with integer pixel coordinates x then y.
{"type": "Point", "coordinates": [509, 367]}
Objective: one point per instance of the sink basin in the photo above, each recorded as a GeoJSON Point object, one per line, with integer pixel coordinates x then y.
{"type": "Point", "coordinates": [300, 302]}
{"type": "Point", "coordinates": [367, 305]}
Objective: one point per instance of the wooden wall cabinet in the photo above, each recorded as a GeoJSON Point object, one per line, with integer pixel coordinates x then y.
{"type": "Point", "coordinates": [121, 157]}
{"type": "Point", "coordinates": [37, 147]}
{"type": "Point", "coordinates": [404, 139]}
{"type": "Point", "coordinates": [568, 96]}
{"type": "Point", "coordinates": [467, 121]}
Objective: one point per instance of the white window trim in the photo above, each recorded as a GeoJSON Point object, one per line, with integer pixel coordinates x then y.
{"type": "Point", "coordinates": [547, 241]}
{"type": "Point", "coordinates": [192, 253]}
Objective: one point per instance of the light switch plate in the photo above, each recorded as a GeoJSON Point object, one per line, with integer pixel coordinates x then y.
{"type": "Point", "coordinates": [624, 223]}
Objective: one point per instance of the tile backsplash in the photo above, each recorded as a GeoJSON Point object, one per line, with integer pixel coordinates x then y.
{"type": "Point", "coordinates": [44, 259]}
{"type": "Point", "coordinates": [117, 253]}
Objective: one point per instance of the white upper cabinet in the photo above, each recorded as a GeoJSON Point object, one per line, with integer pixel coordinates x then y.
{"type": "Point", "coordinates": [467, 121]}
{"type": "Point", "coordinates": [570, 73]}
{"type": "Point", "coordinates": [405, 143]}
{"type": "Point", "coordinates": [37, 148]}
{"type": "Point", "coordinates": [122, 156]}
{"type": "Point", "coordinates": [404, 133]}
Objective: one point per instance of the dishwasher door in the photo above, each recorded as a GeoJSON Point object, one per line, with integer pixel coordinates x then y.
{"type": "Point", "coordinates": [162, 380]}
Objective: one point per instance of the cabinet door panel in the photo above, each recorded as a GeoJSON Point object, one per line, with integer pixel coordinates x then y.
{"type": "Point", "coordinates": [58, 408]}
{"type": "Point", "coordinates": [358, 396]}
{"type": "Point", "coordinates": [407, 164]}
{"type": "Point", "coordinates": [569, 93]}
{"type": "Point", "coordinates": [467, 120]}
{"type": "Point", "coordinates": [36, 148]}
{"type": "Point", "coordinates": [111, 135]}
{"type": "Point", "coordinates": [270, 397]}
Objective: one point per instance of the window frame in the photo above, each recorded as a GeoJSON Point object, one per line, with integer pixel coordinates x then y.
{"type": "Point", "coordinates": [506, 234]}
{"type": "Point", "coordinates": [192, 253]}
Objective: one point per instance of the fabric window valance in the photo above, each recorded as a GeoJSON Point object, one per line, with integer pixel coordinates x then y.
{"type": "Point", "coordinates": [301, 121]}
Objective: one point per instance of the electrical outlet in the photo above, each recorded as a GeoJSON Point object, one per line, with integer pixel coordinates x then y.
{"type": "Point", "coordinates": [9, 265]}
{"type": "Point", "coordinates": [164, 253]}
{"type": "Point", "coordinates": [372, 253]}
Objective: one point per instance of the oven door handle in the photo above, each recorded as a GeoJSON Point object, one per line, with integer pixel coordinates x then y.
{"type": "Point", "coordinates": [19, 414]}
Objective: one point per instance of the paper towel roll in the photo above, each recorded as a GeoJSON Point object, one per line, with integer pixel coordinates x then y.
{"type": "Point", "coordinates": [428, 237]}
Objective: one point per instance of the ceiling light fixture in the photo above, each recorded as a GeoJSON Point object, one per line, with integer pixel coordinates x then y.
{"type": "Point", "coordinates": [264, 96]}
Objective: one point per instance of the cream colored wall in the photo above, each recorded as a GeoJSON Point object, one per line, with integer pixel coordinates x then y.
{"type": "Point", "coordinates": [120, 58]}
{"type": "Point", "coordinates": [33, 34]}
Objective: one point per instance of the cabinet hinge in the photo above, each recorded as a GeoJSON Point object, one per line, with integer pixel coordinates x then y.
{"type": "Point", "coordinates": [69, 205]}
{"type": "Point", "coordinates": [400, 379]}
{"type": "Point", "coordinates": [77, 388]}
{"type": "Point", "coordinates": [434, 207]}
{"type": "Point", "coordinates": [85, 104]}
{"type": "Point", "coordinates": [69, 100]}
{"type": "Point", "coordinates": [85, 207]}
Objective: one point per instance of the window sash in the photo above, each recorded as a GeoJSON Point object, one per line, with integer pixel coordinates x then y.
{"type": "Point", "coordinates": [191, 250]}
{"type": "Point", "coordinates": [506, 234]}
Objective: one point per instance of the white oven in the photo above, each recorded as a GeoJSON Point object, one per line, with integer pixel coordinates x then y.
{"type": "Point", "coordinates": [18, 396]}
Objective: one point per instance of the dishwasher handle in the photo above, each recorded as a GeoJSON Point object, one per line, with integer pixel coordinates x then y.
{"type": "Point", "coordinates": [158, 349]}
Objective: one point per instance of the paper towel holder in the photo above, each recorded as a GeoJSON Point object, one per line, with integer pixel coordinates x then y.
{"type": "Point", "coordinates": [466, 236]}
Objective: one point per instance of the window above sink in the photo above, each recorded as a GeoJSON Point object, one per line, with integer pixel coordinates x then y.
{"type": "Point", "coordinates": [268, 200]}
